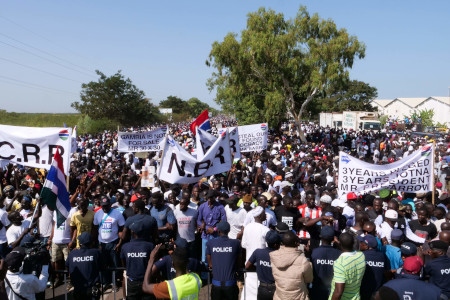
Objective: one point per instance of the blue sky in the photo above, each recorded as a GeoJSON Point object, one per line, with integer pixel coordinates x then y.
{"type": "Point", "coordinates": [49, 48]}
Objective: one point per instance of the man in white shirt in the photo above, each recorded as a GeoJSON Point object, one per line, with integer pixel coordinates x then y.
{"type": "Point", "coordinates": [254, 237]}
{"type": "Point", "coordinates": [25, 285]}
{"type": "Point", "coordinates": [109, 222]}
{"type": "Point", "coordinates": [4, 223]}
{"type": "Point", "coordinates": [18, 229]}
{"type": "Point", "coordinates": [235, 217]}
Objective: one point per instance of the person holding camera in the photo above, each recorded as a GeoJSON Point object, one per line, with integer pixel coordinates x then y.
{"type": "Point", "coordinates": [21, 286]}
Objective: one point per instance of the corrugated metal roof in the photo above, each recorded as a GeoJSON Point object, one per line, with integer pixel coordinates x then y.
{"type": "Point", "coordinates": [412, 102]}
{"type": "Point", "coordinates": [445, 100]}
{"type": "Point", "coordinates": [382, 102]}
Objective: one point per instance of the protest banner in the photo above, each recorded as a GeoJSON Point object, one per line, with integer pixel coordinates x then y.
{"type": "Point", "coordinates": [179, 166]}
{"type": "Point", "coordinates": [412, 174]}
{"type": "Point", "coordinates": [146, 141]}
{"type": "Point", "coordinates": [253, 137]}
{"type": "Point", "coordinates": [33, 146]}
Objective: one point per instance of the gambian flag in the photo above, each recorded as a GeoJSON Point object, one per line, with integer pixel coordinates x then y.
{"type": "Point", "coordinates": [201, 122]}
{"type": "Point", "coordinates": [54, 192]}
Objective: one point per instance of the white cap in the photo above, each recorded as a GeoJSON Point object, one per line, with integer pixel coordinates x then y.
{"type": "Point", "coordinates": [156, 190]}
{"type": "Point", "coordinates": [325, 199]}
{"type": "Point", "coordinates": [410, 148]}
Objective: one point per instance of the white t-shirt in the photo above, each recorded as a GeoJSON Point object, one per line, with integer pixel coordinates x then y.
{"type": "Point", "coordinates": [254, 237]}
{"type": "Point", "coordinates": [5, 222]}
{"type": "Point", "coordinates": [236, 220]}
{"type": "Point", "coordinates": [45, 222]}
{"type": "Point", "coordinates": [187, 223]}
{"type": "Point", "coordinates": [14, 231]}
{"type": "Point", "coordinates": [108, 231]}
{"type": "Point", "coordinates": [61, 234]}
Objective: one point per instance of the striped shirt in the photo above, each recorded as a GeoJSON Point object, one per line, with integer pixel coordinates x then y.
{"type": "Point", "coordinates": [349, 269]}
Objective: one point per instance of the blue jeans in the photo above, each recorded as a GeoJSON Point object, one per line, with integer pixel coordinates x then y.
{"type": "Point", "coordinates": [110, 260]}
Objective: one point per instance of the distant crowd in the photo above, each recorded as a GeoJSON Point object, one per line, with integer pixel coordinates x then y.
{"type": "Point", "coordinates": [272, 227]}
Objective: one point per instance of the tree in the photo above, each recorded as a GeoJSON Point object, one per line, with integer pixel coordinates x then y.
{"type": "Point", "coordinates": [117, 99]}
{"type": "Point", "coordinates": [196, 106]}
{"type": "Point", "coordinates": [354, 96]}
{"type": "Point", "coordinates": [178, 105]}
{"type": "Point", "coordinates": [278, 66]}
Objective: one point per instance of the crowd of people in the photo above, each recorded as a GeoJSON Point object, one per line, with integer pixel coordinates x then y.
{"type": "Point", "coordinates": [272, 227]}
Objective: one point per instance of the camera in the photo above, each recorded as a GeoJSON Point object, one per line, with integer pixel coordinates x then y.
{"type": "Point", "coordinates": [32, 263]}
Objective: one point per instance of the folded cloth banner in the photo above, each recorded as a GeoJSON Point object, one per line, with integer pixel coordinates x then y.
{"type": "Point", "coordinates": [33, 146]}
{"type": "Point", "coordinates": [202, 122]}
{"type": "Point", "coordinates": [179, 166]}
{"type": "Point", "coordinates": [146, 141]}
{"type": "Point", "coordinates": [204, 140]}
{"type": "Point", "coordinates": [234, 140]}
{"type": "Point", "coordinates": [411, 174]}
{"type": "Point", "coordinates": [253, 137]}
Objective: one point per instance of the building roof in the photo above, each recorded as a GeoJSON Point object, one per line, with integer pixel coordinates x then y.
{"type": "Point", "coordinates": [445, 100]}
{"type": "Point", "coordinates": [382, 102]}
{"type": "Point", "coordinates": [411, 102]}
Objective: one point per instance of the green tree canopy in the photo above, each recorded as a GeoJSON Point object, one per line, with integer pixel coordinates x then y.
{"type": "Point", "coordinates": [117, 99]}
{"type": "Point", "coordinates": [196, 106]}
{"type": "Point", "coordinates": [178, 105]}
{"type": "Point", "coordinates": [354, 96]}
{"type": "Point", "coordinates": [278, 66]}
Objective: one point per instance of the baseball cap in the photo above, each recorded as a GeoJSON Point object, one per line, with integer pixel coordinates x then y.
{"type": "Point", "coordinates": [408, 249]}
{"type": "Point", "coordinates": [439, 245]}
{"type": "Point", "coordinates": [384, 193]}
{"type": "Point", "coordinates": [412, 264]}
{"type": "Point", "coordinates": [288, 175]}
{"type": "Point", "coordinates": [135, 197]}
{"type": "Point", "coordinates": [84, 238]}
{"type": "Point", "coordinates": [272, 237]}
{"type": "Point", "coordinates": [286, 184]}
{"type": "Point", "coordinates": [15, 257]}
{"type": "Point", "coordinates": [137, 227]}
{"type": "Point", "coordinates": [105, 201]}
{"type": "Point", "coordinates": [223, 226]}
{"type": "Point", "coordinates": [282, 227]}
{"type": "Point", "coordinates": [439, 184]}
{"type": "Point", "coordinates": [351, 196]}
{"type": "Point", "coordinates": [369, 240]}
{"type": "Point", "coordinates": [396, 234]}
{"type": "Point", "coordinates": [327, 232]}
{"type": "Point", "coordinates": [391, 214]}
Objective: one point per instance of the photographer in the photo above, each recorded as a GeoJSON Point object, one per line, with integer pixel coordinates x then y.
{"type": "Point", "coordinates": [20, 286]}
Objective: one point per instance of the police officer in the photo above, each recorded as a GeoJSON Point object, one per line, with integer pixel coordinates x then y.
{"type": "Point", "coordinates": [377, 266]}
{"type": "Point", "coordinates": [438, 269]}
{"type": "Point", "coordinates": [261, 260]}
{"type": "Point", "coordinates": [322, 259]}
{"type": "Point", "coordinates": [135, 256]}
{"type": "Point", "coordinates": [222, 254]}
{"type": "Point", "coordinates": [84, 268]}
{"type": "Point", "coordinates": [409, 285]}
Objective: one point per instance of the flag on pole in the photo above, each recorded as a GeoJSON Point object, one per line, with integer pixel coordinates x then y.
{"type": "Point", "coordinates": [201, 122]}
{"type": "Point", "coordinates": [54, 192]}
{"type": "Point", "coordinates": [74, 140]}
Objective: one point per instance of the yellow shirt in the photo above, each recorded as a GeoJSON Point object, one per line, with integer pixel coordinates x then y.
{"type": "Point", "coordinates": [83, 224]}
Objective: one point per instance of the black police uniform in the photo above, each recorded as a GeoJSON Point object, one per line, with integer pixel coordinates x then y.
{"type": "Point", "coordinates": [84, 269]}
{"type": "Point", "coordinates": [322, 259]}
{"type": "Point", "coordinates": [261, 260]}
{"type": "Point", "coordinates": [136, 254]}
{"type": "Point", "coordinates": [224, 253]}
{"type": "Point", "coordinates": [377, 264]}
{"type": "Point", "coordinates": [148, 223]}
{"type": "Point", "coordinates": [411, 287]}
{"type": "Point", "coordinates": [439, 271]}
{"type": "Point", "coordinates": [165, 266]}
